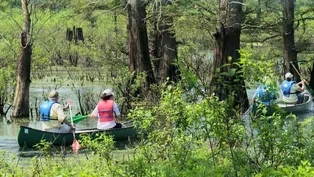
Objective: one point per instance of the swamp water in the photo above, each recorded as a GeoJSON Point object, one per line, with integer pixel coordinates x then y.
{"type": "Point", "coordinates": [9, 130]}
{"type": "Point", "coordinates": [9, 127]}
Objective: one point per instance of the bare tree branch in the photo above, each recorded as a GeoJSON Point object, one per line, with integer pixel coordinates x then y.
{"type": "Point", "coordinates": [269, 37]}
{"type": "Point", "coordinates": [204, 8]}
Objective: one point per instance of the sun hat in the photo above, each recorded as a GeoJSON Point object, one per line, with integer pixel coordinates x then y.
{"type": "Point", "coordinates": [53, 94]}
{"type": "Point", "coordinates": [107, 92]}
{"type": "Point", "coordinates": [288, 75]}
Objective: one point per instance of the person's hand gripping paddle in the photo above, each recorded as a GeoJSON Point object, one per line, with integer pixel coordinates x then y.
{"type": "Point", "coordinates": [75, 145]}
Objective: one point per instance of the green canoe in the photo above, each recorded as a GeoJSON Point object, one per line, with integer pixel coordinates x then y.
{"type": "Point", "coordinates": [29, 137]}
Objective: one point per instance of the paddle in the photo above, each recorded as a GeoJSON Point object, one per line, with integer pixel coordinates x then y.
{"type": "Point", "coordinates": [77, 119]}
{"type": "Point", "coordinates": [248, 110]}
{"type": "Point", "coordinates": [307, 87]}
{"type": "Point", "coordinates": [75, 144]}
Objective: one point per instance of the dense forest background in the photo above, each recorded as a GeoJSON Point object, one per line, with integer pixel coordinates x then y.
{"type": "Point", "coordinates": [180, 69]}
{"type": "Point", "coordinates": [218, 47]}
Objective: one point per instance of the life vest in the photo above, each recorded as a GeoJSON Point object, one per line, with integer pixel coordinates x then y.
{"type": "Point", "coordinates": [105, 110]}
{"type": "Point", "coordinates": [44, 110]}
{"type": "Point", "coordinates": [286, 86]}
{"type": "Point", "coordinates": [264, 97]}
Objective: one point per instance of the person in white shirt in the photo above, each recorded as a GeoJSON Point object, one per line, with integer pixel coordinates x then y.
{"type": "Point", "coordinates": [292, 92]}
{"type": "Point", "coordinates": [107, 112]}
{"type": "Point", "coordinates": [52, 115]}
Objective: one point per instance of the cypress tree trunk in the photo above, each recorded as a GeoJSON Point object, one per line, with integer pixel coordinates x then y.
{"type": "Point", "coordinates": [227, 38]}
{"type": "Point", "coordinates": [139, 60]}
{"type": "Point", "coordinates": [21, 98]}
{"type": "Point", "coordinates": [312, 78]}
{"type": "Point", "coordinates": [289, 53]}
{"type": "Point", "coordinates": [165, 51]}
{"type": "Point", "coordinates": [1, 107]}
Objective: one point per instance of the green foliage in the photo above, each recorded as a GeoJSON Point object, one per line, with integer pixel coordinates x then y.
{"type": "Point", "coordinates": [178, 127]}
{"type": "Point", "coordinates": [304, 169]}
{"type": "Point", "coordinates": [184, 137]}
{"type": "Point", "coordinates": [270, 90]}
{"type": "Point", "coordinates": [7, 81]}
{"type": "Point", "coordinates": [255, 69]}
{"type": "Point", "coordinates": [44, 147]}
{"type": "Point", "coordinates": [102, 145]}
{"type": "Point", "coordinates": [275, 141]}
{"type": "Point", "coordinates": [187, 132]}
{"type": "Point", "coordinates": [8, 54]}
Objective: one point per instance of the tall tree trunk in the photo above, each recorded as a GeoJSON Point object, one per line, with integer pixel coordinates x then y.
{"type": "Point", "coordinates": [139, 60]}
{"type": "Point", "coordinates": [312, 77]}
{"type": "Point", "coordinates": [165, 51]}
{"type": "Point", "coordinates": [227, 38]}
{"type": "Point", "coordinates": [21, 98]}
{"type": "Point", "coordinates": [167, 67]}
{"type": "Point", "coordinates": [258, 9]}
{"type": "Point", "coordinates": [290, 53]}
{"type": "Point", "coordinates": [1, 107]}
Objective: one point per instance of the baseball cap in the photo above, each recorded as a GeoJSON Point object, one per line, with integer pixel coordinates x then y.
{"type": "Point", "coordinates": [288, 75]}
{"type": "Point", "coordinates": [107, 92]}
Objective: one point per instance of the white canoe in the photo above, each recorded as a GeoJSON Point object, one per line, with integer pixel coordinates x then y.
{"type": "Point", "coordinates": [304, 107]}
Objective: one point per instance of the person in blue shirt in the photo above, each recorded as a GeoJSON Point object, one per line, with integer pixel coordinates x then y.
{"type": "Point", "coordinates": [266, 93]}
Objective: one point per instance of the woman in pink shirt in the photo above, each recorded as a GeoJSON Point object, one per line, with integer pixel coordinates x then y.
{"type": "Point", "coordinates": [107, 112]}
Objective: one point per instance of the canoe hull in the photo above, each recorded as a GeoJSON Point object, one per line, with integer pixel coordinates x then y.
{"type": "Point", "coordinates": [298, 108]}
{"type": "Point", "coordinates": [29, 137]}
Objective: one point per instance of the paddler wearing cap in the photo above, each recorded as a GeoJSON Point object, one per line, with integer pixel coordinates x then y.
{"type": "Point", "coordinates": [292, 92]}
{"type": "Point", "coordinates": [52, 115]}
{"type": "Point", "coordinates": [107, 111]}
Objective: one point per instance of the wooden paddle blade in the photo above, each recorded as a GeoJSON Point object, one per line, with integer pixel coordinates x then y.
{"type": "Point", "coordinates": [75, 146]}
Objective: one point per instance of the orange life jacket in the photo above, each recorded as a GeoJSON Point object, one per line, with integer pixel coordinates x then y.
{"type": "Point", "coordinates": [105, 110]}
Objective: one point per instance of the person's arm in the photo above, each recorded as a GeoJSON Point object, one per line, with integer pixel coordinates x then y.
{"type": "Point", "coordinates": [117, 118]}
{"type": "Point", "coordinates": [302, 88]}
{"type": "Point", "coordinates": [255, 95]}
{"type": "Point", "coordinates": [68, 123]}
{"type": "Point", "coordinates": [94, 114]}
{"type": "Point", "coordinates": [117, 113]}
{"type": "Point", "coordinates": [66, 107]}
{"type": "Point", "coordinates": [62, 117]}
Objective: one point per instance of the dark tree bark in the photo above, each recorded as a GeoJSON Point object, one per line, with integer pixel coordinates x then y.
{"type": "Point", "coordinates": [165, 51]}
{"type": "Point", "coordinates": [1, 107]}
{"type": "Point", "coordinates": [311, 84]}
{"type": "Point", "coordinates": [258, 9]}
{"type": "Point", "coordinates": [21, 98]}
{"type": "Point", "coordinates": [227, 38]}
{"type": "Point", "coordinates": [139, 60]}
{"type": "Point", "coordinates": [289, 53]}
